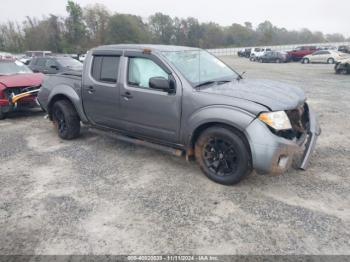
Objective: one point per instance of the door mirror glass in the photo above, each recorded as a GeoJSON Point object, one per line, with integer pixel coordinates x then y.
{"type": "Point", "coordinates": [159, 83]}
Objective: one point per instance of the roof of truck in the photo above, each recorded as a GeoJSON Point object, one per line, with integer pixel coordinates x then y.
{"type": "Point", "coordinates": [161, 48]}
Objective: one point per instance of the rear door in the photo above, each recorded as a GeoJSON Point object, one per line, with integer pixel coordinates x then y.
{"type": "Point", "coordinates": [36, 65]}
{"type": "Point", "coordinates": [145, 111]}
{"type": "Point", "coordinates": [319, 57]}
{"type": "Point", "coordinates": [40, 65]}
{"type": "Point", "coordinates": [315, 57]}
{"type": "Point", "coordinates": [100, 90]}
{"type": "Point", "coordinates": [326, 56]}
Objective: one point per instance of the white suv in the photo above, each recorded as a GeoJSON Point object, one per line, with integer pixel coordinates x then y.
{"type": "Point", "coordinates": [257, 52]}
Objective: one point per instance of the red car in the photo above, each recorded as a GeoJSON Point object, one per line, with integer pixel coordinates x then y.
{"type": "Point", "coordinates": [301, 51]}
{"type": "Point", "coordinates": [18, 86]}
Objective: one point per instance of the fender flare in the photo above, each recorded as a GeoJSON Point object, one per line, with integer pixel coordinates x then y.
{"type": "Point", "coordinates": [216, 114]}
{"type": "Point", "coordinates": [70, 94]}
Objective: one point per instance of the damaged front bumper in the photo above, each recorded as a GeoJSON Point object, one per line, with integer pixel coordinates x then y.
{"type": "Point", "coordinates": [275, 154]}
{"type": "Point", "coordinates": [23, 99]}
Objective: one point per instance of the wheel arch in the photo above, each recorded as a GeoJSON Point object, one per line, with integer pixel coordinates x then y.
{"type": "Point", "coordinates": [70, 96]}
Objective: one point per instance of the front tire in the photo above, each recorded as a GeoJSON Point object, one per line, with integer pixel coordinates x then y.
{"type": "Point", "coordinates": [2, 115]}
{"type": "Point", "coordinates": [306, 60]}
{"type": "Point", "coordinates": [66, 120]}
{"type": "Point", "coordinates": [222, 155]}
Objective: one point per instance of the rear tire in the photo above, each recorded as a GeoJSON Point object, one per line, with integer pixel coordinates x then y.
{"type": "Point", "coordinates": [330, 61]}
{"type": "Point", "coordinates": [66, 120]}
{"type": "Point", "coordinates": [222, 155]}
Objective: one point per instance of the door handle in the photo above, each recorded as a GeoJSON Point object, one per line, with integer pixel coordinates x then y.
{"type": "Point", "coordinates": [91, 90]}
{"type": "Point", "coordinates": [127, 95]}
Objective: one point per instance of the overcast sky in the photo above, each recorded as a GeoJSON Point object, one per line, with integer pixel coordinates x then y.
{"type": "Point", "coordinates": [328, 16]}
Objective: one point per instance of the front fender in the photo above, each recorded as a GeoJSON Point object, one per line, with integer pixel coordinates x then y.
{"type": "Point", "coordinates": [69, 93]}
{"type": "Point", "coordinates": [222, 114]}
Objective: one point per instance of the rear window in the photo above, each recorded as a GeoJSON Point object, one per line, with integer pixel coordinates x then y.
{"type": "Point", "coordinates": [105, 68]}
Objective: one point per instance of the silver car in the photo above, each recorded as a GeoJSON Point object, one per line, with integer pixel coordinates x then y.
{"type": "Point", "coordinates": [324, 56]}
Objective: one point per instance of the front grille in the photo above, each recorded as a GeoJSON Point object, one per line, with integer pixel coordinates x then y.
{"type": "Point", "coordinates": [17, 90]}
{"type": "Point", "coordinates": [299, 119]}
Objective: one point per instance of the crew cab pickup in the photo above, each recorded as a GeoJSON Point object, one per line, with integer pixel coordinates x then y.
{"type": "Point", "coordinates": [185, 100]}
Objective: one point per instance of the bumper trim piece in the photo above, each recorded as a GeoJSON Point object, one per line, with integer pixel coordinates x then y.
{"type": "Point", "coordinates": [314, 132]}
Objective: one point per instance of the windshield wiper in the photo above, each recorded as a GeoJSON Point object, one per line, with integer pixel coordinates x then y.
{"type": "Point", "coordinates": [218, 82]}
{"type": "Point", "coordinates": [240, 76]}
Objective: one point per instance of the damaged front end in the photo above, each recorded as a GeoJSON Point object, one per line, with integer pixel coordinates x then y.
{"type": "Point", "coordinates": [275, 151]}
{"type": "Point", "coordinates": [18, 97]}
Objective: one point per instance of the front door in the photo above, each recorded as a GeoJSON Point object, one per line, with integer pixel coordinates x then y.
{"type": "Point", "coordinates": [51, 66]}
{"type": "Point", "coordinates": [145, 111]}
{"type": "Point", "coordinates": [101, 90]}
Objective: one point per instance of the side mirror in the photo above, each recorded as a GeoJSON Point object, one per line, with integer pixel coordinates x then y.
{"type": "Point", "coordinates": [160, 83]}
{"type": "Point", "coordinates": [54, 67]}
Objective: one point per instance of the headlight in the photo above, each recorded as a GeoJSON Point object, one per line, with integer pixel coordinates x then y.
{"type": "Point", "coordinates": [277, 120]}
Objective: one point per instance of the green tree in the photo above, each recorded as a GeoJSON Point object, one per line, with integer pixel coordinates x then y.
{"type": "Point", "coordinates": [266, 31]}
{"type": "Point", "coordinates": [97, 18]}
{"type": "Point", "coordinates": [162, 28]}
{"type": "Point", "coordinates": [124, 28]}
{"type": "Point", "coordinates": [76, 29]}
{"type": "Point", "coordinates": [212, 36]}
{"type": "Point", "coordinates": [11, 37]}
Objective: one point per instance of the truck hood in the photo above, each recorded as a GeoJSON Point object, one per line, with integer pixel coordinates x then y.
{"type": "Point", "coordinates": [22, 80]}
{"type": "Point", "coordinates": [274, 95]}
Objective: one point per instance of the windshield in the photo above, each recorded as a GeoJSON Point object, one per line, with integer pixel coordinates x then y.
{"type": "Point", "coordinates": [199, 66]}
{"type": "Point", "coordinates": [69, 62]}
{"type": "Point", "coordinates": [13, 67]}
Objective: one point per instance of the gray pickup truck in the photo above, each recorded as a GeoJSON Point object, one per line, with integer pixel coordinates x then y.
{"type": "Point", "coordinates": [185, 100]}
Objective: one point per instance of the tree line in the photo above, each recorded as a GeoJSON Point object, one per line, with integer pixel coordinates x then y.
{"type": "Point", "coordinates": [86, 27]}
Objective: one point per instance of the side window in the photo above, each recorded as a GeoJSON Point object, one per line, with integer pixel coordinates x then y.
{"type": "Point", "coordinates": [50, 62]}
{"type": "Point", "coordinates": [141, 70]}
{"type": "Point", "coordinates": [40, 61]}
{"type": "Point", "coordinates": [105, 68]}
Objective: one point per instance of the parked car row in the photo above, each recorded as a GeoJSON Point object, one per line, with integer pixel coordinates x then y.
{"type": "Point", "coordinates": [305, 54]}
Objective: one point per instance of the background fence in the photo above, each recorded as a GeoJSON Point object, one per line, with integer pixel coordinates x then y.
{"type": "Point", "coordinates": [233, 51]}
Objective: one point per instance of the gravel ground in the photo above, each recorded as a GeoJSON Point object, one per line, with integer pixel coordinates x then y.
{"type": "Point", "coordinates": [96, 195]}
